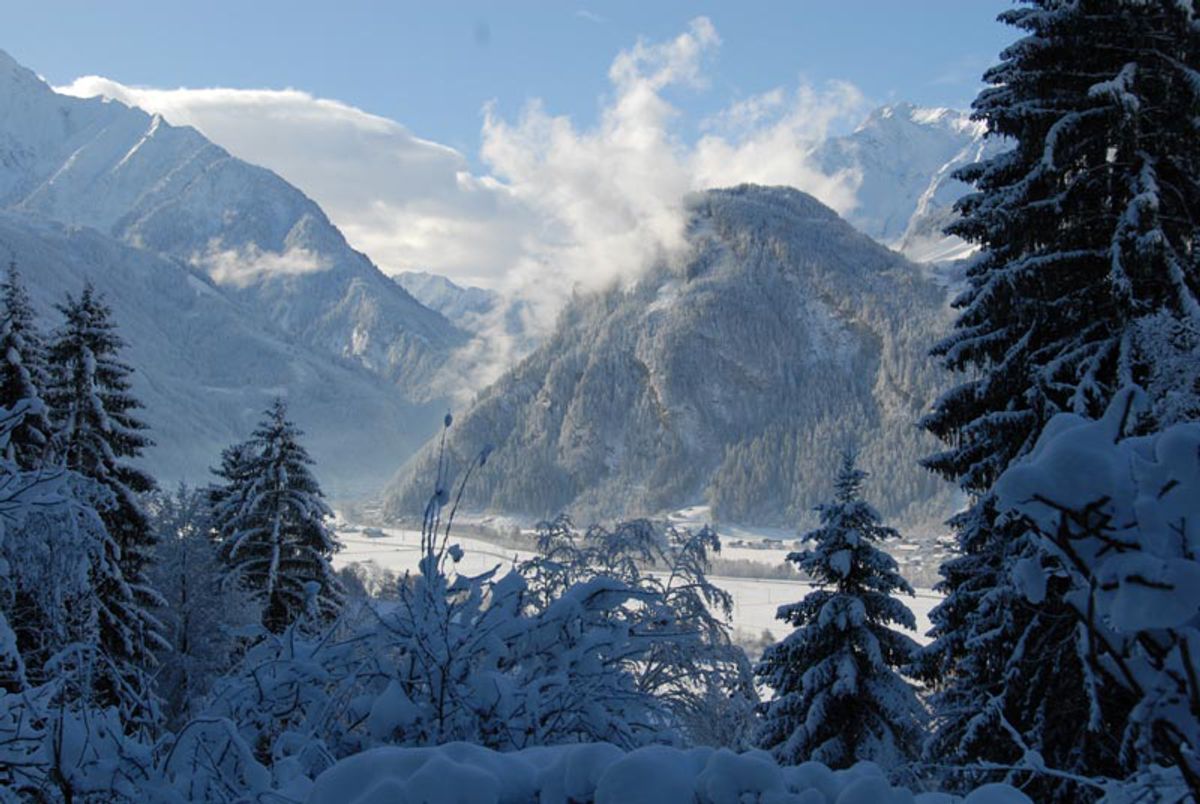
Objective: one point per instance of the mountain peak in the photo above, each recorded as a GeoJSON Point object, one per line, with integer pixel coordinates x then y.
{"type": "Point", "coordinates": [170, 192]}
{"type": "Point", "coordinates": [904, 114]}
{"type": "Point", "coordinates": [777, 199]}
{"type": "Point", "coordinates": [16, 76]}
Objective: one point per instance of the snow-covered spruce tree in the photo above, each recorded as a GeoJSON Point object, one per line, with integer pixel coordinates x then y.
{"type": "Point", "coordinates": [839, 696]}
{"type": "Point", "coordinates": [270, 519]}
{"type": "Point", "coordinates": [227, 497]}
{"type": "Point", "coordinates": [23, 374]}
{"type": "Point", "coordinates": [1087, 280]}
{"type": "Point", "coordinates": [93, 412]}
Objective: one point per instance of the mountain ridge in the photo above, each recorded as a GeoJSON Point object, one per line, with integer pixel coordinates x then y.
{"type": "Point", "coordinates": [906, 155]}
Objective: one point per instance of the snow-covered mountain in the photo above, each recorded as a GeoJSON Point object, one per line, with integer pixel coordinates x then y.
{"type": "Point", "coordinates": [905, 156]}
{"type": "Point", "coordinates": [206, 366]}
{"type": "Point", "coordinates": [230, 285]}
{"type": "Point", "coordinates": [460, 305]}
{"type": "Point", "coordinates": [786, 336]}
{"type": "Point", "coordinates": [169, 190]}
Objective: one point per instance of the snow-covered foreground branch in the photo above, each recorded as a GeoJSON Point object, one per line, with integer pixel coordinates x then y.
{"type": "Point", "coordinates": [604, 774]}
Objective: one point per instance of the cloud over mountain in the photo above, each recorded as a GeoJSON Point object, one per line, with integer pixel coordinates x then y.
{"type": "Point", "coordinates": [586, 203]}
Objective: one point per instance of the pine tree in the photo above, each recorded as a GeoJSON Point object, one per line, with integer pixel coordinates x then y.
{"type": "Point", "coordinates": [93, 412]}
{"type": "Point", "coordinates": [1087, 280]}
{"type": "Point", "coordinates": [23, 375]}
{"type": "Point", "coordinates": [839, 696]}
{"type": "Point", "coordinates": [270, 517]}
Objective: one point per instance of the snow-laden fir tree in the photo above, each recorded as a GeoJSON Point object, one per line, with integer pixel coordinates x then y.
{"type": "Point", "coordinates": [23, 374]}
{"type": "Point", "coordinates": [227, 497]}
{"type": "Point", "coordinates": [1087, 280]}
{"type": "Point", "coordinates": [97, 432]}
{"type": "Point", "coordinates": [839, 696]}
{"type": "Point", "coordinates": [270, 518]}
{"type": "Point", "coordinates": [27, 448]}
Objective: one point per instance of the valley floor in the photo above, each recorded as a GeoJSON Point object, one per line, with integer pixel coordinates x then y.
{"type": "Point", "coordinates": [755, 600]}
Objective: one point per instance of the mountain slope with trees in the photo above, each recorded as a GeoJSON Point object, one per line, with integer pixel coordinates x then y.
{"type": "Point", "coordinates": [733, 378]}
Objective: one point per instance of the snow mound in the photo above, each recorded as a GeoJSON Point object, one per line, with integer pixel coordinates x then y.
{"type": "Point", "coordinates": [460, 773]}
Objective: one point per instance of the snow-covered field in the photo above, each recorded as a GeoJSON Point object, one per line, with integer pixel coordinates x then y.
{"type": "Point", "coordinates": [754, 600]}
{"type": "Point", "coordinates": [398, 550]}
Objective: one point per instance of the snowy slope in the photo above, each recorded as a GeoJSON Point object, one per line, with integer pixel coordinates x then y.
{"type": "Point", "coordinates": [205, 368]}
{"type": "Point", "coordinates": [739, 377]}
{"type": "Point", "coordinates": [169, 190]}
{"type": "Point", "coordinates": [905, 156]}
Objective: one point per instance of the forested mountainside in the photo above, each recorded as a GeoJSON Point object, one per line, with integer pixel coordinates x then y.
{"type": "Point", "coordinates": [736, 378]}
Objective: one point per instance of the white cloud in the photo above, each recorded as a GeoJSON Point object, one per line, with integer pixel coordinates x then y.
{"type": "Point", "coordinates": [408, 202]}
{"type": "Point", "coordinates": [610, 198]}
{"type": "Point", "coordinates": [241, 267]}
{"type": "Point", "coordinates": [765, 139]}
{"type": "Point", "coordinates": [564, 206]}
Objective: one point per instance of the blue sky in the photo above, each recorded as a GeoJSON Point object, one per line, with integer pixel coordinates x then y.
{"type": "Point", "coordinates": [432, 65]}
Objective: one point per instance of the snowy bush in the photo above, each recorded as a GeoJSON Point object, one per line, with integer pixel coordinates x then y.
{"type": "Point", "coordinates": [491, 660]}
{"type": "Point", "coordinates": [288, 694]}
{"type": "Point", "coordinates": [607, 635]}
{"type": "Point", "coordinates": [55, 748]}
{"type": "Point", "coordinates": [1116, 517]}
{"type": "Point", "coordinates": [589, 648]}
{"type": "Point", "coordinates": [462, 662]}
{"type": "Point", "coordinates": [687, 659]}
